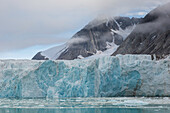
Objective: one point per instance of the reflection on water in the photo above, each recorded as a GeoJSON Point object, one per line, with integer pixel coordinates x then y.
{"type": "Point", "coordinates": [86, 110]}
{"type": "Point", "coordinates": [86, 105]}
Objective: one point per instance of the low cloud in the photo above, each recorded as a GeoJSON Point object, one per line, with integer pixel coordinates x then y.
{"type": "Point", "coordinates": [78, 40]}
{"type": "Point", "coordinates": [26, 23]}
{"type": "Point", "coordinates": [158, 21]}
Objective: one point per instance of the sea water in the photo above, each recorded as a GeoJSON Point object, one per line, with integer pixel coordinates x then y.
{"type": "Point", "coordinates": [86, 105]}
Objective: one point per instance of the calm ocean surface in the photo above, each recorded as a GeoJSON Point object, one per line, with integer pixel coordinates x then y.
{"type": "Point", "coordinates": [86, 105]}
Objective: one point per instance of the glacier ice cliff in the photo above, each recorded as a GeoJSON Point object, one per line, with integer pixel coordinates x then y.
{"type": "Point", "coordinates": [121, 75]}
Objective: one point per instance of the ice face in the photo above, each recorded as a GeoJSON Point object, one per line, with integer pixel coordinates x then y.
{"type": "Point", "coordinates": [123, 75]}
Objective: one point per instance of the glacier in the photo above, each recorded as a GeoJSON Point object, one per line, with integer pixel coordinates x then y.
{"type": "Point", "coordinates": [108, 76]}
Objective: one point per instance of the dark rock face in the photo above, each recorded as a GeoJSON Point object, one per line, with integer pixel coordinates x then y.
{"type": "Point", "coordinates": [152, 36]}
{"type": "Point", "coordinates": [93, 37]}
{"type": "Point", "coordinates": [38, 56]}
{"type": "Point", "coordinates": [118, 39]}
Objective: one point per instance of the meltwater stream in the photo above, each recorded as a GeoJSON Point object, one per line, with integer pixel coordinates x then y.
{"type": "Point", "coordinates": [86, 105]}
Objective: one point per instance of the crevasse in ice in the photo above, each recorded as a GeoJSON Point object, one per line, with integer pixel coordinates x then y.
{"type": "Point", "coordinates": [122, 75]}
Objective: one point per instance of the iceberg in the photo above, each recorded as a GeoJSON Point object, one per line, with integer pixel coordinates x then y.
{"type": "Point", "coordinates": [108, 76]}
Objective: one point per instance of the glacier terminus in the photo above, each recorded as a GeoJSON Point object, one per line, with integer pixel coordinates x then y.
{"type": "Point", "coordinates": [108, 76]}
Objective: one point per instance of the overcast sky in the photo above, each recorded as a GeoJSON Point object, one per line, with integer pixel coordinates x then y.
{"type": "Point", "coordinates": [29, 26]}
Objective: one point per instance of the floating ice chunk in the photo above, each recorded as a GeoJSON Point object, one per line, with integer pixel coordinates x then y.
{"type": "Point", "coordinates": [80, 57]}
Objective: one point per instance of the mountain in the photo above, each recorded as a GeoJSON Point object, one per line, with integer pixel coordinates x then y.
{"type": "Point", "coordinates": [100, 36]}
{"type": "Point", "coordinates": [152, 36]}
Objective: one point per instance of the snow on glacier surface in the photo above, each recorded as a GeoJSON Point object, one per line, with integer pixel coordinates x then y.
{"type": "Point", "coordinates": [123, 75]}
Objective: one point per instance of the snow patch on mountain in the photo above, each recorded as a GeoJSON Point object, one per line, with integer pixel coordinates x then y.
{"type": "Point", "coordinates": [54, 53]}
{"type": "Point", "coordinates": [111, 48]}
{"type": "Point", "coordinates": [124, 33]}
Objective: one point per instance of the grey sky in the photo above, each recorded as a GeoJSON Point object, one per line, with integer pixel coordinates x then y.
{"type": "Point", "coordinates": [26, 23]}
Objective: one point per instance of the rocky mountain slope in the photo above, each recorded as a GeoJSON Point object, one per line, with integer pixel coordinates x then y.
{"type": "Point", "coordinates": [98, 36]}
{"type": "Point", "coordinates": [152, 36]}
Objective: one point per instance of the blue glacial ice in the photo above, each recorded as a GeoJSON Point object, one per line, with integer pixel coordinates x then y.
{"type": "Point", "coordinates": [121, 75]}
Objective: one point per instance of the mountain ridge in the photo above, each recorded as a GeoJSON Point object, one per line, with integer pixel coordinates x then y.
{"type": "Point", "coordinates": [93, 37]}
